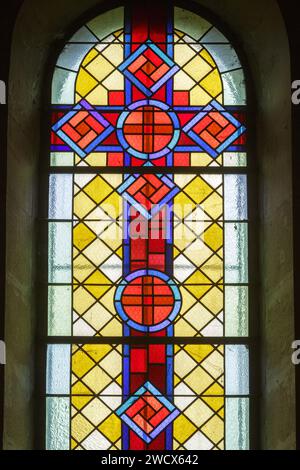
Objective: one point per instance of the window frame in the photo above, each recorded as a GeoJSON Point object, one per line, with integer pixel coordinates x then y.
{"type": "Point", "coordinates": [251, 171]}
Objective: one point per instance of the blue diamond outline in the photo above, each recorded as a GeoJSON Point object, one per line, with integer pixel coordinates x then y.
{"type": "Point", "coordinates": [167, 198]}
{"type": "Point", "coordinates": [214, 106]}
{"type": "Point", "coordinates": [83, 105]}
{"type": "Point", "coordinates": [147, 387]}
{"type": "Point", "coordinates": [148, 91]}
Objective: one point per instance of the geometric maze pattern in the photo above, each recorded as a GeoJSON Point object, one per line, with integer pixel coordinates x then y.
{"type": "Point", "coordinates": [148, 68]}
{"type": "Point", "coordinates": [147, 412]}
{"type": "Point", "coordinates": [148, 193]}
{"type": "Point", "coordinates": [214, 129]}
{"type": "Point", "coordinates": [83, 128]}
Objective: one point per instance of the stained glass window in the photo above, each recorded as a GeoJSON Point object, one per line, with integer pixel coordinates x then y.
{"type": "Point", "coordinates": [148, 237]}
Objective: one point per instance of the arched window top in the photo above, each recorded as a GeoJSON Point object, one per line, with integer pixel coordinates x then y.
{"type": "Point", "coordinates": [199, 48]}
{"type": "Point", "coordinates": [102, 65]}
{"type": "Point", "coordinates": [148, 236]}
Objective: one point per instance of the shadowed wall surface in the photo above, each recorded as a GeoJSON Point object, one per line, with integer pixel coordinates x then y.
{"type": "Point", "coordinates": [259, 28]}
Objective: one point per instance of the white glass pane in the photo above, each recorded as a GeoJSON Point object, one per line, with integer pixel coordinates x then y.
{"type": "Point", "coordinates": [224, 55]}
{"type": "Point", "coordinates": [62, 159]}
{"type": "Point", "coordinates": [236, 311]}
{"type": "Point", "coordinates": [72, 56]}
{"type": "Point", "coordinates": [60, 196]}
{"type": "Point", "coordinates": [57, 423]}
{"type": "Point", "coordinates": [213, 35]}
{"type": "Point", "coordinates": [83, 35]}
{"type": "Point", "coordinates": [236, 253]}
{"type": "Point", "coordinates": [59, 310]}
{"type": "Point", "coordinates": [60, 243]}
{"type": "Point", "coordinates": [63, 86]}
{"type": "Point", "coordinates": [234, 159]}
{"type": "Point", "coordinates": [234, 88]}
{"type": "Point", "coordinates": [235, 193]}
{"type": "Point", "coordinates": [58, 369]}
{"type": "Point", "coordinates": [237, 424]}
{"type": "Point", "coordinates": [236, 369]}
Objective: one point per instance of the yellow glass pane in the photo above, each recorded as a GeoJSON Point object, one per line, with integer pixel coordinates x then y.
{"type": "Point", "coordinates": [96, 412]}
{"type": "Point", "coordinates": [198, 413]}
{"type": "Point", "coordinates": [111, 428]}
{"type": "Point", "coordinates": [96, 380]}
{"type": "Point", "coordinates": [212, 84]}
{"type": "Point", "coordinates": [213, 236]}
{"type": "Point", "coordinates": [112, 364]}
{"type": "Point", "coordinates": [198, 190]}
{"type": "Point", "coordinates": [213, 206]}
{"type": "Point", "coordinates": [96, 159]}
{"type": "Point", "coordinates": [97, 291]}
{"type": "Point", "coordinates": [82, 205]}
{"type": "Point", "coordinates": [182, 81]}
{"type": "Point", "coordinates": [98, 96]}
{"type": "Point", "coordinates": [80, 428]}
{"type": "Point", "coordinates": [213, 300]}
{"type": "Point", "coordinates": [183, 53]}
{"type": "Point", "coordinates": [82, 236]}
{"type": "Point", "coordinates": [199, 97]}
{"type": "Point", "coordinates": [115, 81]}
{"type": "Point", "coordinates": [97, 252]}
{"type": "Point", "coordinates": [183, 363]}
{"type": "Point", "coordinates": [216, 403]}
{"type": "Point", "coordinates": [114, 53]}
{"type": "Point", "coordinates": [214, 429]}
{"type": "Point", "coordinates": [81, 363]}
{"type": "Point", "coordinates": [98, 189]}
{"type": "Point", "coordinates": [89, 57]}
{"type": "Point", "coordinates": [206, 55]}
{"type": "Point", "coordinates": [82, 300]}
{"type": "Point", "coordinates": [82, 268]}
{"type": "Point", "coordinates": [113, 328]}
{"type": "Point", "coordinates": [199, 352]}
{"type": "Point", "coordinates": [199, 381]}
{"type": "Point", "coordinates": [85, 83]}
{"type": "Point", "coordinates": [183, 428]}
{"type": "Point", "coordinates": [197, 68]}
{"type": "Point", "coordinates": [100, 68]}
{"type": "Point", "coordinates": [213, 268]}
{"type": "Point", "coordinates": [79, 402]}
{"type": "Point", "coordinates": [200, 158]}
{"type": "Point", "coordinates": [80, 389]}
{"type": "Point", "coordinates": [198, 290]}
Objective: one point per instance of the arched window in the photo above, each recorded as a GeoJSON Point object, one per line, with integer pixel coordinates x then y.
{"type": "Point", "coordinates": [148, 341]}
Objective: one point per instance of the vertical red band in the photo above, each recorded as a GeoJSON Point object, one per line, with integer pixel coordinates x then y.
{"type": "Point", "coordinates": [148, 362]}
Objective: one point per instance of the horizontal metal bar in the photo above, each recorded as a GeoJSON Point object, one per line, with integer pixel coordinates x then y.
{"type": "Point", "coordinates": [50, 395]}
{"type": "Point", "coordinates": [146, 340]}
{"type": "Point", "coordinates": [145, 170]}
{"type": "Point", "coordinates": [220, 221]}
{"type": "Point", "coordinates": [82, 284]}
{"type": "Point", "coordinates": [179, 42]}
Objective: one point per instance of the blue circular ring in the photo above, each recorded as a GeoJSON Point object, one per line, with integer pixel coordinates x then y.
{"type": "Point", "coordinates": [148, 272]}
{"type": "Point", "coordinates": [154, 155]}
